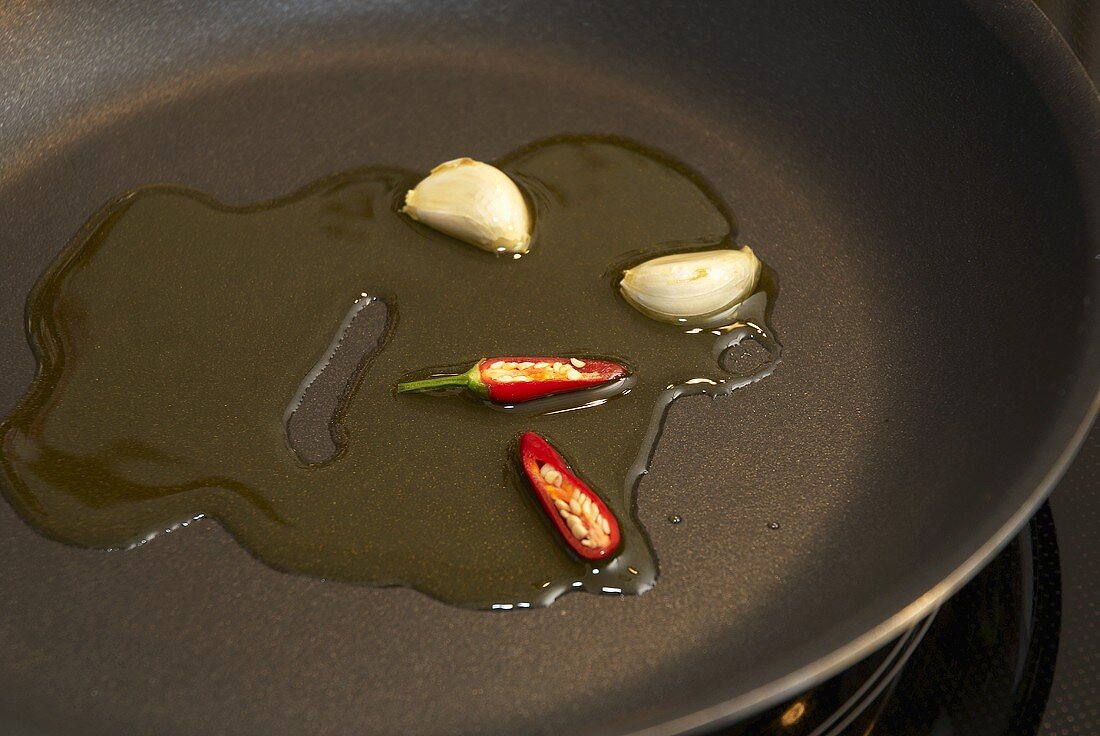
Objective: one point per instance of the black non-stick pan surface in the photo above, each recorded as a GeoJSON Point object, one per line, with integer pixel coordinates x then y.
{"type": "Point", "coordinates": [922, 176]}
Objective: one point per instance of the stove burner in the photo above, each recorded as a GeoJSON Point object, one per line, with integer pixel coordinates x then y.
{"type": "Point", "coordinates": [981, 666]}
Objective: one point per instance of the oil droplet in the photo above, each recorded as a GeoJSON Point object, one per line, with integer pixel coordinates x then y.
{"type": "Point", "coordinates": [674, 519]}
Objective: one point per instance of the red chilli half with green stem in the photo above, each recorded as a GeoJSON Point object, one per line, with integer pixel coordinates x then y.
{"type": "Point", "coordinates": [511, 380]}
{"type": "Point", "coordinates": [583, 520]}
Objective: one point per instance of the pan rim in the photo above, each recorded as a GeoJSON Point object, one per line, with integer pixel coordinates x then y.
{"type": "Point", "coordinates": [1075, 104]}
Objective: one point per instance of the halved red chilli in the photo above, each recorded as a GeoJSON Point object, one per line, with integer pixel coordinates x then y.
{"type": "Point", "coordinates": [584, 521]}
{"type": "Point", "coordinates": [510, 380]}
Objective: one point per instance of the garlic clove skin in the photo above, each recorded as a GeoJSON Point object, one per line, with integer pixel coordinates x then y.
{"type": "Point", "coordinates": [474, 202]}
{"type": "Point", "coordinates": [685, 286]}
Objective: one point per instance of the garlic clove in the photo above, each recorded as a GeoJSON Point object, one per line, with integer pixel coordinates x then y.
{"type": "Point", "coordinates": [691, 285]}
{"type": "Point", "coordinates": [474, 202]}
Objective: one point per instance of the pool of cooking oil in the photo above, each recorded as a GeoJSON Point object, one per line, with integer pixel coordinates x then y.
{"type": "Point", "coordinates": [235, 363]}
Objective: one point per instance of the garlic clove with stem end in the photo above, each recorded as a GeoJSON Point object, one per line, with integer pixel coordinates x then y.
{"type": "Point", "coordinates": [683, 286]}
{"type": "Point", "coordinates": [474, 202]}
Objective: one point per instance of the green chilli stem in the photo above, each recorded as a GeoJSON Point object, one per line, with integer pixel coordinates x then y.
{"type": "Point", "coordinates": [471, 380]}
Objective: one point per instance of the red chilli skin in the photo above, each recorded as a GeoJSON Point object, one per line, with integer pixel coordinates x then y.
{"type": "Point", "coordinates": [507, 380]}
{"type": "Point", "coordinates": [536, 452]}
{"type": "Point", "coordinates": [594, 373]}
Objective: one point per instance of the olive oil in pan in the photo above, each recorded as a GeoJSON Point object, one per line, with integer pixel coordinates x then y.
{"type": "Point", "coordinates": [240, 363]}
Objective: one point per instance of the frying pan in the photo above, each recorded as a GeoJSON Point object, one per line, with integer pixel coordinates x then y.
{"type": "Point", "coordinates": [923, 177]}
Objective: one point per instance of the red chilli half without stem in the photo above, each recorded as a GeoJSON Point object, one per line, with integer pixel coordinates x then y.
{"type": "Point", "coordinates": [583, 520]}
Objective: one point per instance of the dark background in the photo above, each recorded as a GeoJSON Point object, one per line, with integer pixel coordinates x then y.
{"type": "Point", "coordinates": [1075, 696]}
